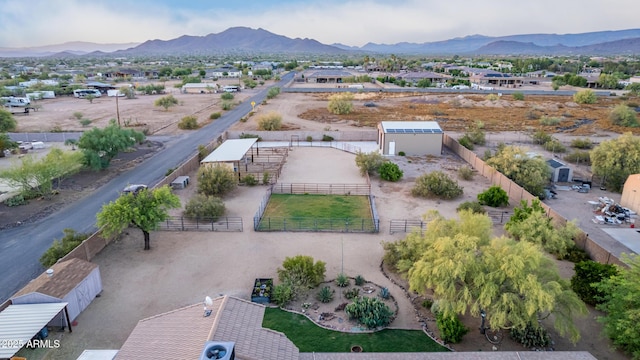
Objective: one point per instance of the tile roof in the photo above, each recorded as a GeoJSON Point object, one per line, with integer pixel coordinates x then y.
{"type": "Point", "coordinates": [66, 276]}
{"type": "Point", "coordinates": [182, 333]}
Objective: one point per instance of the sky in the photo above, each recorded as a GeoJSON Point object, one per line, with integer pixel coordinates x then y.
{"type": "Point", "coordinates": [29, 23]}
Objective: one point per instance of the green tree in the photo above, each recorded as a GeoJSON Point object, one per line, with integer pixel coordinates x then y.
{"type": "Point", "coordinates": [423, 83]}
{"type": "Point", "coordinates": [369, 163]}
{"type": "Point", "coordinates": [513, 282]}
{"type": "Point", "coordinates": [166, 102]}
{"type": "Point", "coordinates": [34, 177]}
{"type": "Point", "coordinates": [622, 307]}
{"type": "Point", "coordinates": [532, 173]}
{"type": "Point", "coordinates": [340, 104]}
{"type": "Point", "coordinates": [494, 196]}
{"type": "Point", "coordinates": [100, 146]}
{"type": "Point", "coordinates": [301, 273]}
{"type": "Point", "coordinates": [273, 92]}
{"type": "Point", "coordinates": [614, 160]}
{"type": "Point", "coordinates": [7, 122]}
{"type": "Point", "coordinates": [587, 274]}
{"type": "Point", "coordinates": [216, 180]}
{"type": "Point", "coordinates": [6, 144]}
{"type": "Point", "coordinates": [62, 247]}
{"type": "Point", "coordinates": [144, 210]}
{"type": "Point", "coordinates": [436, 184]}
{"type": "Point", "coordinates": [204, 207]}
{"type": "Point", "coordinates": [90, 98]}
{"type": "Point", "coordinates": [607, 81]}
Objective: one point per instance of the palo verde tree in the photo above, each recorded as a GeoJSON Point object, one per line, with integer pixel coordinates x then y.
{"type": "Point", "coordinates": [144, 210]}
{"type": "Point", "coordinates": [621, 305]}
{"type": "Point", "coordinates": [166, 102]}
{"type": "Point", "coordinates": [100, 146]}
{"type": "Point", "coordinates": [515, 283]}
{"type": "Point", "coordinates": [532, 173]}
{"type": "Point", "coordinates": [614, 160]}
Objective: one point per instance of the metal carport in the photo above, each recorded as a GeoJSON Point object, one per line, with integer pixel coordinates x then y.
{"type": "Point", "coordinates": [20, 323]}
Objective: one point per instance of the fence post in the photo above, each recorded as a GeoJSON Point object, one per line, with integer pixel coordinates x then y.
{"type": "Point", "coordinates": [182, 222]}
{"type": "Point", "coordinates": [405, 226]}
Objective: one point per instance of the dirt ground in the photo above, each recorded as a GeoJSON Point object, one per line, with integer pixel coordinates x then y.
{"type": "Point", "coordinates": [182, 268]}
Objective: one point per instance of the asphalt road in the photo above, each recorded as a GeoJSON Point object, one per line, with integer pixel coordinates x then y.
{"type": "Point", "coordinates": [22, 247]}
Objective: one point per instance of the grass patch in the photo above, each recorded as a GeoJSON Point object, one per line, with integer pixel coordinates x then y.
{"type": "Point", "coordinates": [309, 337]}
{"type": "Point", "coordinates": [317, 213]}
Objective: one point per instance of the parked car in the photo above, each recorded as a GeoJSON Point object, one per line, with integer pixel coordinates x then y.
{"type": "Point", "coordinates": [134, 189]}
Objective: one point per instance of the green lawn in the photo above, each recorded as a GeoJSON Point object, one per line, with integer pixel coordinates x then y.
{"type": "Point", "coordinates": [317, 212]}
{"type": "Point", "coordinates": [309, 337]}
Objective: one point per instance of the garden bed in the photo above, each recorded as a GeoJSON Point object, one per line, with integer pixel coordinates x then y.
{"type": "Point", "coordinates": [261, 293]}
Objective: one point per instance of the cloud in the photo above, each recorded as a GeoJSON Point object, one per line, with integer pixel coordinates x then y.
{"type": "Point", "coordinates": [352, 22]}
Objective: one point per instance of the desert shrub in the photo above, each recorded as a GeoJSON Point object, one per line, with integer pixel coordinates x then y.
{"type": "Point", "coordinates": [227, 105]}
{"type": "Point", "coordinates": [188, 123]}
{"type": "Point", "coordinates": [273, 92]}
{"type": "Point", "coordinates": [78, 115]}
{"type": "Point", "coordinates": [326, 137]}
{"type": "Point", "coordinates": [16, 201]}
{"type": "Point", "coordinates": [518, 95]}
{"type": "Point", "coordinates": [554, 145]}
{"type": "Point", "coordinates": [342, 280]}
{"type": "Point", "coordinates": [540, 137]}
{"type": "Point", "coordinates": [465, 173]}
{"type": "Point", "coordinates": [385, 293]}
{"type": "Point", "coordinates": [282, 294]}
{"type": "Point", "coordinates": [250, 136]}
{"type": "Point", "coordinates": [623, 115]}
{"type": "Point", "coordinates": [584, 143]}
{"type": "Point", "coordinates": [370, 312]}
{"type": "Point", "coordinates": [340, 104]}
{"type": "Point", "coordinates": [325, 295]}
{"type": "Point", "coordinates": [226, 96]}
{"type": "Point", "coordinates": [265, 177]}
{"type": "Point", "coordinates": [578, 157]}
{"type": "Point", "coordinates": [549, 120]}
{"type": "Point", "coordinates": [436, 184]}
{"type": "Point", "coordinates": [85, 122]}
{"type": "Point", "coordinates": [492, 97]}
{"type": "Point", "coordinates": [494, 196]}
{"type": "Point", "coordinates": [62, 247]}
{"type": "Point", "coordinates": [309, 138]}
{"type": "Point", "coordinates": [401, 153]}
{"type": "Point", "coordinates": [204, 207]}
{"type": "Point", "coordinates": [575, 254]}
{"type": "Point", "coordinates": [351, 293]}
{"type": "Point", "coordinates": [585, 96]}
{"type": "Point", "coordinates": [169, 171]}
{"type": "Point", "coordinates": [427, 304]}
{"type": "Point", "coordinates": [588, 273]}
{"type": "Point", "coordinates": [532, 115]}
{"type": "Point", "coordinates": [216, 180]}
{"type": "Point", "coordinates": [215, 115]}
{"type": "Point", "coordinates": [476, 134]}
{"type": "Point", "coordinates": [369, 163]}
{"type": "Point", "coordinates": [466, 142]}
{"type": "Point", "coordinates": [249, 180]}
{"type": "Point", "coordinates": [203, 152]}
{"type": "Point", "coordinates": [531, 336]}
{"type": "Point", "coordinates": [359, 280]}
{"type": "Point", "coordinates": [472, 206]}
{"type": "Point", "coordinates": [271, 121]}
{"type": "Point", "coordinates": [390, 171]}
{"type": "Point", "coordinates": [301, 273]}
{"type": "Point", "coordinates": [451, 328]}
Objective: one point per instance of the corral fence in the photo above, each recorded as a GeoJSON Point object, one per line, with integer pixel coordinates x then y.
{"type": "Point", "coordinates": [355, 225]}
{"type": "Point", "coordinates": [406, 226]}
{"type": "Point", "coordinates": [322, 189]}
{"type": "Point", "coordinates": [517, 193]}
{"type": "Point", "coordinates": [181, 223]}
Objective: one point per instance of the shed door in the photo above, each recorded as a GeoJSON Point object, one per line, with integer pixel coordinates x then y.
{"type": "Point", "coordinates": [563, 175]}
{"type": "Point", "coordinates": [392, 147]}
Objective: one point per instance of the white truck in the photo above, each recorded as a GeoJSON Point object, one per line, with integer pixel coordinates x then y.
{"type": "Point", "coordinates": [16, 104]}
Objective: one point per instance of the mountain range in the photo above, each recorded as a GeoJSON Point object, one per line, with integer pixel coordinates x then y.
{"type": "Point", "coordinates": [244, 40]}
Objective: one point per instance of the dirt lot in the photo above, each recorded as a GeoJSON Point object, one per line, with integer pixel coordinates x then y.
{"type": "Point", "coordinates": [196, 256]}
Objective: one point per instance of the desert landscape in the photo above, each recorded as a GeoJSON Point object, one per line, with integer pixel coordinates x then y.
{"type": "Point", "coordinates": [183, 267]}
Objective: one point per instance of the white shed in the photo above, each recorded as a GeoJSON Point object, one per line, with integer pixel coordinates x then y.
{"type": "Point", "coordinates": [560, 172]}
{"type": "Point", "coordinates": [75, 281]}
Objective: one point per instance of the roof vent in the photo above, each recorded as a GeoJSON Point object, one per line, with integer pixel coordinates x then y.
{"type": "Point", "coordinates": [218, 350]}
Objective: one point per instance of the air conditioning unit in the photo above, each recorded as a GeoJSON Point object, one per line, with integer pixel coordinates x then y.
{"type": "Point", "coordinates": [216, 350]}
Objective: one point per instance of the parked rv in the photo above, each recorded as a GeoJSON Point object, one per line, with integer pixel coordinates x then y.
{"type": "Point", "coordinates": [16, 104]}
{"type": "Point", "coordinates": [82, 93]}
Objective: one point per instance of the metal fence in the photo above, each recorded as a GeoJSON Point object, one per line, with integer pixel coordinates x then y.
{"type": "Point", "coordinates": [325, 189]}
{"type": "Point", "coordinates": [316, 225]}
{"type": "Point", "coordinates": [406, 225]}
{"type": "Point", "coordinates": [181, 223]}
{"type": "Point", "coordinates": [499, 217]}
